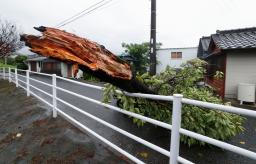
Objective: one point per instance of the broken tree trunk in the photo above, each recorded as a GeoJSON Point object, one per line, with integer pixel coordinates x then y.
{"type": "Point", "coordinates": [89, 56]}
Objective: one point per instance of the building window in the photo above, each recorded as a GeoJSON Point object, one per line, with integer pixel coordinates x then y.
{"type": "Point", "coordinates": [176, 55]}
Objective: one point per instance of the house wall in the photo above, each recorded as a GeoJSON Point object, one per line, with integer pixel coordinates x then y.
{"type": "Point", "coordinates": [164, 57]}
{"type": "Point", "coordinates": [70, 71]}
{"type": "Point", "coordinates": [216, 63]}
{"type": "Point", "coordinates": [240, 68]}
{"type": "Point", "coordinates": [51, 68]}
{"type": "Point", "coordinates": [29, 66]}
{"type": "Point", "coordinates": [33, 66]}
{"type": "Point", "coordinates": [217, 84]}
{"type": "Point", "coordinates": [64, 69]}
{"type": "Point", "coordinates": [38, 68]}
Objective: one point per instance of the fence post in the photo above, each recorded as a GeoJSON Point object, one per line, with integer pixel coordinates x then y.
{"type": "Point", "coordinates": [16, 78]}
{"type": "Point", "coordinates": [27, 77]}
{"type": "Point", "coordinates": [54, 95]}
{"type": "Point", "coordinates": [176, 122]}
{"type": "Point", "coordinates": [4, 73]}
{"type": "Point", "coordinates": [9, 74]}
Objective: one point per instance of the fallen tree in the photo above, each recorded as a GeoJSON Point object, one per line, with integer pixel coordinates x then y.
{"type": "Point", "coordinates": [95, 59]}
{"type": "Point", "coordinates": [86, 55]}
{"type": "Point", "coordinates": [211, 123]}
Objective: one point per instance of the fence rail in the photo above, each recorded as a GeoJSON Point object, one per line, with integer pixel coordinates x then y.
{"type": "Point", "coordinates": [13, 76]}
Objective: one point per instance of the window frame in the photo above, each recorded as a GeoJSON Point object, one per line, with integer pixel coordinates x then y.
{"type": "Point", "coordinates": [176, 55]}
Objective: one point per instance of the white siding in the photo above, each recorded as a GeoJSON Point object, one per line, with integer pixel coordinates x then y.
{"type": "Point", "coordinates": [29, 66]}
{"type": "Point", "coordinates": [64, 69]}
{"type": "Point", "coordinates": [37, 67]}
{"type": "Point", "coordinates": [164, 57]}
{"type": "Point", "coordinates": [240, 68]}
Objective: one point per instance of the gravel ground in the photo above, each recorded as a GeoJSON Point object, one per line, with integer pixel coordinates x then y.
{"type": "Point", "coordinates": [28, 134]}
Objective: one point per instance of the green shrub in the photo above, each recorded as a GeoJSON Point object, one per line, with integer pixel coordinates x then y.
{"type": "Point", "coordinates": [11, 61]}
{"type": "Point", "coordinates": [212, 123]}
{"type": "Point", "coordinates": [89, 77]}
{"type": "Point", "coordinates": [21, 58]}
{"type": "Point", "coordinates": [4, 65]}
{"type": "Point", "coordinates": [20, 61]}
{"type": "Point", "coordinates": [22, 66]}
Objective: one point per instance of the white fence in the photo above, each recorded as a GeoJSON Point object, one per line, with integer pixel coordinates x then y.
{"type": "Point", "coordinates": [173, 154]}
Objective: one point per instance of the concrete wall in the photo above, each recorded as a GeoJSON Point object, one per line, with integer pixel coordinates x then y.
{"type": "Point", "coordinates": [29, 66]}
{"type": "Point", "coordinates": [164, 57]}
{"type": "Point", "coordinates": [240, 68]}
{"type": "Point", "coordinates": [64, 70]}
{"type": "Point", "coordinates": [37, 67]}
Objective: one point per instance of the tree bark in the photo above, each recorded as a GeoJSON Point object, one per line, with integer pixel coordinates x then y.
{"type": "Point", "coordinates": [88, 55]}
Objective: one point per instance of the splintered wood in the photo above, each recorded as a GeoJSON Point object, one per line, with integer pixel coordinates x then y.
{"type": "Point", "coordinates": [68, 47]}
{"type": "Point", "coordinates": [86, 55]}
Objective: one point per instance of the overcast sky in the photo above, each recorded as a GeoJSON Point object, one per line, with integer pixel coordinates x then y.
{"type": "Point", "coordinates": [180, 23]}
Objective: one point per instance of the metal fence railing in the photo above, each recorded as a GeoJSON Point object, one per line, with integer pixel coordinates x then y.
{"type": "Point", "coordinates": [16, 76]}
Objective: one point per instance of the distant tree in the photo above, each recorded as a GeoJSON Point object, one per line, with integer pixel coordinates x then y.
{"type": "Point", "coordinates": [9, 38]}
{"type": "Point", "coordinates": [141, 54]}
{"type": "Point", "coordinates": [11, 61]}
{"type": "Point", "coordinates": [21, 58]}
{"type": "Point", "coordinates": [20, 62]}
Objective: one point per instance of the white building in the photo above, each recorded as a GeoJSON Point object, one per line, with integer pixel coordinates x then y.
{"type": "Point", "coordinates": [232, 52]}
{"type": "Point", "coordinates": [174, 57]}
{"type": "Point", "coordinates": [51, 66]}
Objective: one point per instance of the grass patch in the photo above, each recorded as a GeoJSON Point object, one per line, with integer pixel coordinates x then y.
{"type": "Point", "coordinates": [7, 65]}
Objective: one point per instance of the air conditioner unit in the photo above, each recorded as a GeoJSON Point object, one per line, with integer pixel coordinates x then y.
{"type": "Point", "coordinates": [246, 92]}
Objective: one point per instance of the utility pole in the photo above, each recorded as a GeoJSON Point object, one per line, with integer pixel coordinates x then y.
{"type": "Point", "coordinates": [152, 69]}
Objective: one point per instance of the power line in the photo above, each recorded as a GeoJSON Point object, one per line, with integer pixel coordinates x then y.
{"type": "Point", "coordinates": [62, 22]}
{"type": "Point", "coordinates": [83, 14]}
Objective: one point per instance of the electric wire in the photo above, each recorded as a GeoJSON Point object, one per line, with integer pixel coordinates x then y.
{"type": "Point", "coordinates": [86, 13]}
{"type": "Point", "coordinates": [64, 21]}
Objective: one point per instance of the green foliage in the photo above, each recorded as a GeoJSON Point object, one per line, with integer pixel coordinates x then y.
{"type": "Point", "coordinates": [2, 64]}
{"type": "Point", "coordinates": [6, 65]}
{"type": "Point", "coordinates": [21, 59]}
{"type": "Point", "coordinates": [89, 77]}
{"type": "Point", "coordinates": [22, 66]}
{"type": "Point", "coordinates": [141, 54]}
{"type": "Point", "coordinates": [219, 75]}
{"type": "Point", "coordinates": [212, 123]}
{"type": "Point", "coordinates": [20, 62]}
{"type": "Point", "coordinates": [11, 61]}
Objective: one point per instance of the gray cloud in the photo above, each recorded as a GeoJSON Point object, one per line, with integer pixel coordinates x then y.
{"type": "Point", "coordinates": [180, 23]}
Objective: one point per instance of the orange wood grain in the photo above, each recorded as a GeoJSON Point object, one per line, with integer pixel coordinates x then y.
{"type": "Point", "coordinates": [68, 47]}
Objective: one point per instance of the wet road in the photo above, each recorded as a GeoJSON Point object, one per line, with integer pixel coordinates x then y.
{"type": "Point", "coordinates": [28, 134]}
{"type": "Point", "coordinates": [158, 136]}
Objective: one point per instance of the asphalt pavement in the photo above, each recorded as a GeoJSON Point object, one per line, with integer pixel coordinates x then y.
{"type": "Point", "coordinates": [28, 134]}
{"type": "Point", "coordinates": [156, 135]}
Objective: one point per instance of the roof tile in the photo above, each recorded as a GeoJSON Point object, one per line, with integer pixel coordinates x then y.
{"type": "Point", "coordinates": [233, 39]}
